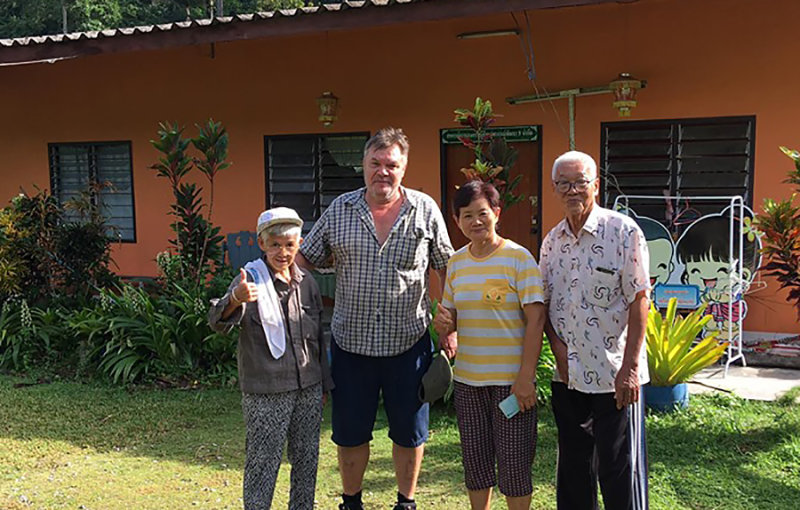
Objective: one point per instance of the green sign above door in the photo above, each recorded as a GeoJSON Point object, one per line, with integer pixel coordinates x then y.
{"type": "Point", "coordinates": [509, 133]}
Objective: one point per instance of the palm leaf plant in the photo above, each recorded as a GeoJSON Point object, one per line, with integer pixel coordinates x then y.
{"type": "Point", "coordinates": [673, 357]}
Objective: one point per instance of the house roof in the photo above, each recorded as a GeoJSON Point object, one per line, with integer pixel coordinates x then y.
{"type": "Point", "coordinates": [348, 14]}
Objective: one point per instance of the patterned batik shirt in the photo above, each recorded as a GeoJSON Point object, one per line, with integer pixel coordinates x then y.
{"type": "Point", "coordinates": [381, 305]}
{"type": "Point", "coordinates": [590, 281]}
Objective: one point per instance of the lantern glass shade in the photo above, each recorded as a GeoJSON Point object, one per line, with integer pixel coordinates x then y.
{"type": "Point", "coordinates": [624, 88]}
{"type": "Point", "coordinates": [328, 106]}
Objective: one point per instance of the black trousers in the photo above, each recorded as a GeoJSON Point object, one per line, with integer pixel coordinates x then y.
{"type": "Point", "coordinates": [598, 442]}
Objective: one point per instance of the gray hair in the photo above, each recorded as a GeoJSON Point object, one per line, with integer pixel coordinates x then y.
{"type": "Point", "coordinates": [386, 138]}
{"type": "Point", "coordinates": [280, 229]}
{"type": "Point", "coordinates": [586, 162]}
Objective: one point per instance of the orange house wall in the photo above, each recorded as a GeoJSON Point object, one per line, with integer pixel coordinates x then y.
{"type": "Point", "coordinates": [702, 58]}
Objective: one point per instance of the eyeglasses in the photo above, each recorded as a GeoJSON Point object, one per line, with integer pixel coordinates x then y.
{"type": "Point", "coordinates": [580, 186]}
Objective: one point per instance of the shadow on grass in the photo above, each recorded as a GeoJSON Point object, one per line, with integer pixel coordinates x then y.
{"type": "Point", "coordinates": [719, 454]}
{"type": "Point", "coordinates": [442, 472]}
{"type": "Point", "coordinates": [724, 458]}
{"type": "Point", "coordinates": [202, 427]}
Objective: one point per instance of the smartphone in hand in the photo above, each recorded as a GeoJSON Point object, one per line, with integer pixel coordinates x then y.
{"type": "Point", "coordinates": [509, 406]}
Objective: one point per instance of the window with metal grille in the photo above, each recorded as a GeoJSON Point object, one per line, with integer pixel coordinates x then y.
{"type": "Point", "coordinates": [104, 170]}
{"type": "Point", "coordinates": [685, 157]}
{"type": "Point", "coordinates": [306, 172]}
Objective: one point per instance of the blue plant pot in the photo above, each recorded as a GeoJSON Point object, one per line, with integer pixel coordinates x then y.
{"type": "Point", "coordinates": [667, 398]}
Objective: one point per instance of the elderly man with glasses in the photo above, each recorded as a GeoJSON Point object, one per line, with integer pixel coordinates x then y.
{"type": "Point", "coordinates": [594, 265]}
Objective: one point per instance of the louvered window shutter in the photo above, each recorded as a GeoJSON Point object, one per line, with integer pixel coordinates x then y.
{"type": "Point", "coordinates": [306, 172]}
{"type": "Point", "coordinates": [75, 167]}
{"type": "Point", "coordinates": [686, 157]}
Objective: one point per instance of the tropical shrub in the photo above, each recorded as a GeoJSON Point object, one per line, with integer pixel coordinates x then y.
{"type": "Point", "coordinates": [134, 336]}
{"type": "Point", "coordinates": [32, 337]}
{"type": "Point", "coordinates": [50, 251]}
{"type": "Point", "coordinates": [64, 309]}
{"type": "Point", "coordinates": [171, 276]}
{"type": "Point", "coordinates": [83, 246]}
{"type": "Point", "coordinates": [197, 241]}
{"type": "Point", "coordinates": [544, 372]}
{"type": "Point", "coordinates": [28, 228]}
{"type": "Point", "coordinates": [673, 355]}
{"type": "Point", "coordinates": [493, 156]}
{"type": "Point", "coordinates": [13, 334]}
{"type": "Point", "coordinates": [779, 228]}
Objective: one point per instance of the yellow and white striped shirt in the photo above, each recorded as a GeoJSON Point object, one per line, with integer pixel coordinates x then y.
{"type": "Point", "coordinates": [488, 295]}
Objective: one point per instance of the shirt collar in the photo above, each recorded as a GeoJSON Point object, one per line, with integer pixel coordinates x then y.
{"type": "Point", "coordinates": [593, 221]}
{"type": "Point", "coordinates": [294, 270]}
{"type": "Point", "coordinates": [360, 199]}
{"type": "Point", "coordinates": [297, 275]}
{"type": "Point", "coordinates": [590, 226]}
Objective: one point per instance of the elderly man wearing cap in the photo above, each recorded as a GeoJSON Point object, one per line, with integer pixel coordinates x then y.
{"type": "Point", "coordinates": [384, 239]}
{"type": "Point", "coordinates": [283, 365]}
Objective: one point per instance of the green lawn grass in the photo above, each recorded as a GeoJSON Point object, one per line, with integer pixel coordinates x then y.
{"type": "Point", "coordinates": [76, 446]}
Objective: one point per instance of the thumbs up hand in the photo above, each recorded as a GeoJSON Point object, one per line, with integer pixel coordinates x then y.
{"type": "Point", "coordinates": [444, 323]}
{"type": "Point", "coordinates": [244, 292]}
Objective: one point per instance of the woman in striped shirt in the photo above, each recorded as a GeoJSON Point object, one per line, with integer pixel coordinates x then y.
{"type": "Point", "coordinates": [493, 298]}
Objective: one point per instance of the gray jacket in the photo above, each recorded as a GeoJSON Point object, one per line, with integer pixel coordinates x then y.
{"type": "Point", "coordinates": [305, 361]}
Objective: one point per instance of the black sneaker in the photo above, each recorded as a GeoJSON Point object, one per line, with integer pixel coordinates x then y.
{"type": "Point", "coordinates": [351, 506]}
{"type": "Point", "coordinates": [351, 502]}
{"type": "Point", "coordinates": [405, 506]}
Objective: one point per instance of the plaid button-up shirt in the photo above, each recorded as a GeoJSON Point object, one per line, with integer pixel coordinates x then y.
{"type": "Point", "coordinates": [381, 302]}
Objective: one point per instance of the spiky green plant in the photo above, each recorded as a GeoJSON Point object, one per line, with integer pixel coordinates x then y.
{"type": "Point", "coordinates": [671, 355]}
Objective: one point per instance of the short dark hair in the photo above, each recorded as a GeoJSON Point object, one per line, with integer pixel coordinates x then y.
{"type": "Point", "coordinates": [708, 239]}
{"type": "Point", "coordinates": [386, 138]}
{"type": "Point", "coordinates": [652, 229]}
{"type": "Point", "coordinates": [473, 190]}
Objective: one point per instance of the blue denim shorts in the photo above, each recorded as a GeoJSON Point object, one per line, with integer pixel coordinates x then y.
{"type": "Point", "coordinates": [359, 379]}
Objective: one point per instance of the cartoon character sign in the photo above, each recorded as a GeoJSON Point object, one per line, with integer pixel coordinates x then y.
{"type": "Point", "coordinates": [705, 252]}
{"type": "Point", "coordinates": [701, 258]}
{"type": "Point", "coordinates": [660, 246]}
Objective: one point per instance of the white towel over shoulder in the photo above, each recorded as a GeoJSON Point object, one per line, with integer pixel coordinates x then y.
{"type": "Point", "coordinates": [269, 307]}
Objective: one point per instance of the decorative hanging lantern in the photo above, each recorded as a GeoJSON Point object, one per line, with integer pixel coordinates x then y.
{"type": "Point", "coordinates": [624, 89]}
{"type": "Point", "coordinates": [328, 105]}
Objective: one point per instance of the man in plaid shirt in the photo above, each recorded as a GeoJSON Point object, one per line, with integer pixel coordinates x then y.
{"type": "Point", "coordinates": [383, 240]}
